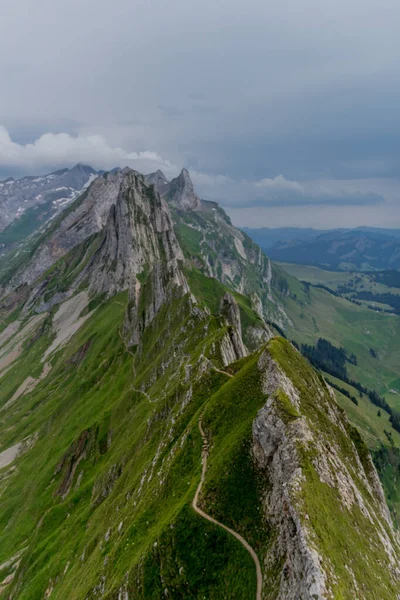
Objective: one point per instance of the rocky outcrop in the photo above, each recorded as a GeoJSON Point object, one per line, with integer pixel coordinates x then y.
{"type": "Point", "coordinates": [227, 253]}
{"type": "Point", "coordinates": [139, 253]}
{"type": "Point", "coordinates": [232, 346]}
{"type": "Point", "coordinates": [299, 447]}
{"type": "Point", "coordinates": [138, 234]}
{"type": "Point", "coordinates": [230, 310]}
{"type": "Point", "coordinates": [180, 193]}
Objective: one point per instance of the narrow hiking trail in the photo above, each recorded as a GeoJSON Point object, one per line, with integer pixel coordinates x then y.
{"type": "Point", "coordinates": [223, 372]}
{"type": "Point", "coordinates": [204, 456]}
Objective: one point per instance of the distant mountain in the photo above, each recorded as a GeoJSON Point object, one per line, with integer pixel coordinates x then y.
{"type": "Point", "coordinates": [180, 192]}
{"type": "Point", "coordinates": [363, 248]}
{"type": "Point", "coordinates": [159, 181]}
{"type": "Point", "coordinates": [379, 231]}
{"type": "Point", "coordinates": [27, 203]}
{"type": "Point", "coordinates": [266, 237]}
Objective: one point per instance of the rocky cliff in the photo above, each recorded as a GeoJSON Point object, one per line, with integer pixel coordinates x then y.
{"type": "Point", "coordinates": [180, 192]}
{"type": "Point", "coordinates": [323, 484]}
{"type": "Point", "coordinates": [220, 250]}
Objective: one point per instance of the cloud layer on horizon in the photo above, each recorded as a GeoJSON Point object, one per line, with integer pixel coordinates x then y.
{"type": "Point", "coordinates": [55, 150]}
{"type": "Point", "coordinates": [282, 192]}
{"type": "Point", "coordinates": [52, 151]}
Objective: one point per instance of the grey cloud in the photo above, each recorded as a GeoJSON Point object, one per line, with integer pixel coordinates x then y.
{"type": "Point", "coordinates": [250, 89]}
{"type": "Point", "coordinates": [54, 150]}
{"type": "Point", "coordinates": [282, 192]}
{"type": "Point", "coordinates": [173, 111]}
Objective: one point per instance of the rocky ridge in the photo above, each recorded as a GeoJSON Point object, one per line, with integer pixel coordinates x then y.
{"type": "Point", "coordinates": [222, 251]}
{"type": "Point", "coordinates": [299, 439]}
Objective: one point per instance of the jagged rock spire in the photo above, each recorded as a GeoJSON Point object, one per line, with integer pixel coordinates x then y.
{"type": "Point", "coordinates": [230, 310]}
{"type": "Point", "coordinates": [181, 194]}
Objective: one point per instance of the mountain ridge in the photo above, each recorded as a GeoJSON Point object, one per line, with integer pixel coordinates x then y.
{"type": "Point", "coordinates": [362, 248]}
{"type": "Point", "coordinates": [126, 322]}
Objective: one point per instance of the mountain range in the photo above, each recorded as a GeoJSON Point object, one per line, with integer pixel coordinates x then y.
{"type": "Point", "coordinates": [160, 435]}
{"type": "Point", "coordinates": [27, 203]}
{"type": "Point", "coordinates": [360, 249]}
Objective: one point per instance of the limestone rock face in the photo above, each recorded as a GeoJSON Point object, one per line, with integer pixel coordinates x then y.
{"type": "Point", "coordinates": [227, 253]}
{"type": "Point", "coordinates": [230, 310]}
{"type": "Point", "coordinates": [180, 193]}
{"type": "Point", "coordinates": [139, 253]}
{"type": "Point", "coordinates": [308, 453]}
{"type": "Point", "coordinates": [138, 250]}
{"type": "Point", "coordinates": [87, 217]}
{"type": "Point", "coordinates": [233, 348]}
{"type": "Point", "coordinates": [139, 234]}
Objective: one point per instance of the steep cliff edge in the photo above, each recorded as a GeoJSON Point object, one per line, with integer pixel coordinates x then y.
{"type": "Point", "coordinates": [325, 498]}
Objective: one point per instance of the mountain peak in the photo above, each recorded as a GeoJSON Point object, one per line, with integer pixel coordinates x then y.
{"type": "Point", "coordinates": [159, 181]}
{"type": "Point", "coordinates": [185, 174]}
{"type": "Point", "coordinates": [80, 167]}
{"type": "Point", "coordinates": [181, 192]}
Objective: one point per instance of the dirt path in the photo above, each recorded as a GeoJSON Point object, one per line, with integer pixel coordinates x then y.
{"type": "Point", "coordinates": [223, 372]}
{"type": "Point", "coordinates": [204, 456]}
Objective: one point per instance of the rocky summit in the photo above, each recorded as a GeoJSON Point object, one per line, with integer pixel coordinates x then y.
{"type": "Point", "coordinates": [159, 436]}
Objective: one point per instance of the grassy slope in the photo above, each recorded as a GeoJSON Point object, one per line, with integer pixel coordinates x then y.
{"type": "Point", "coordinates": [19, 229]}
{"type": "Point", "coordinates": [365, 416]}
{"type": "Point", "coordinates": [207, 239]}
{"type": "Point", "coordinates": [127, 522]}
{"type": "Point", "coordinates": [322, 503]}
{"type": "Point", "coordinates": [316, 313]}
{"type": "Point", "coordinates": [210, 292]}
{"type": "Point", "coordinates": [381, 438]}
{"type": "Point", "coordinates": [358, 281]}
{"type": "Point", "coordinates": [147, 453]}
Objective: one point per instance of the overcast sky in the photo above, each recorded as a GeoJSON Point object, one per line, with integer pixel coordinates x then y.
{"type": "Point", "coordinates": [285, 112]}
